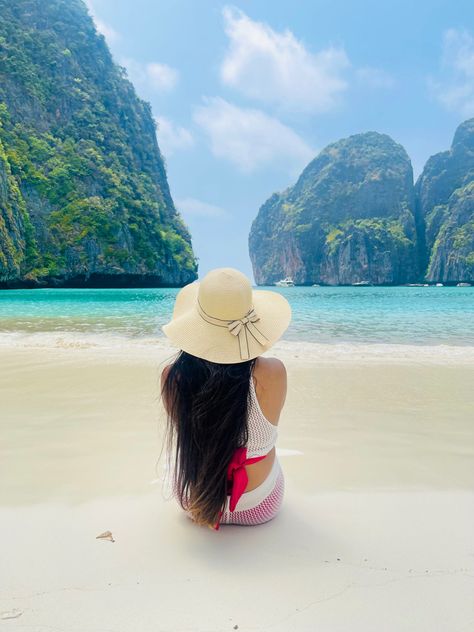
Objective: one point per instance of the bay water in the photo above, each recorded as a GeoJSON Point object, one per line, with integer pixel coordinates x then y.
{"type": "Point", "coordinates": [327, 315]}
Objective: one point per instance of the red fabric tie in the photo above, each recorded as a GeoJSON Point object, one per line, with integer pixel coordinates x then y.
{"type": "Point", "coordinates": [237, 474]}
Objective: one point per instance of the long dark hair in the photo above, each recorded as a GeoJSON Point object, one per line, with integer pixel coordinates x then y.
{"type": "Point", "coordinates": [206, 404]}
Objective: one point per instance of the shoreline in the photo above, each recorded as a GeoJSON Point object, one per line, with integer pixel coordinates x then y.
{"type": "Point", "coordinates": [147, 282]}
{"type": "Point", "coordinates": [147, 348]}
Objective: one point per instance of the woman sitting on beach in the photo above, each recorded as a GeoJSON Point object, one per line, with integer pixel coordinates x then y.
{"type": "Point", "coordinates": [223, 401]}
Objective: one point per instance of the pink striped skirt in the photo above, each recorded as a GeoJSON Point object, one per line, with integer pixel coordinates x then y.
{"type": "Point", "coordinates": [260, 504]}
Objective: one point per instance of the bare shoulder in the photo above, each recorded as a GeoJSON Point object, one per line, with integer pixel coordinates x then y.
{"type": "Point", "coordinates": [270, 371]}
{"type": "Point", "coordinates": [271, 385]}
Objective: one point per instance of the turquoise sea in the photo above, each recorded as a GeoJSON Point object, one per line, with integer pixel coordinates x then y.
{"type": "Point", "coordinates": [389, 315]}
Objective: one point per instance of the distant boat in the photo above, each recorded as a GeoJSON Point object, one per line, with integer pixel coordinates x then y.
{"type": "Point", "coordinates": [463, 285]}
{"type": "Point", "coordinates": [286, 282]}
{"type": "Point", "coordinates": [439, 285]}
{"type": "Point", "coordinates": [359, 283]}
{"type": "Point", "coordinates": [315, 285]}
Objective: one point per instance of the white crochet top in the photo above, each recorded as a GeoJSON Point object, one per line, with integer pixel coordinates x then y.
{"type": "Point", "coordinates": [262, 434]}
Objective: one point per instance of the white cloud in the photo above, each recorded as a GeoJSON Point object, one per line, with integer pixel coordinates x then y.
{"type": "Point", "coordinates": [277, 68]}
{"type": "Point", "coordinates": [192, 207]}
{"type": "Point", "coordinates": [375, 77]}
{"type": "Point", "coordinates": [156, 76]}
{"type": "Point", "coordinates": [110, 34]}
{"type": "Point", "coordinates": [454, 87]}
{"type": "Point", "coordinates": [161, 76]}
{"type": "Point", "coordinates": [249, 138]}
{"type": "Point", "coordinates": [172, 137]}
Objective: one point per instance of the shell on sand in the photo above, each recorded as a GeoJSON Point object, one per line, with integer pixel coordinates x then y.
{"type": "Point", "coordinates": [107, 535]}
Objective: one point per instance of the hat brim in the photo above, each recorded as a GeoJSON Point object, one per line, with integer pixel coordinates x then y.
{"type": "Point", "coordinates": [191, 333]}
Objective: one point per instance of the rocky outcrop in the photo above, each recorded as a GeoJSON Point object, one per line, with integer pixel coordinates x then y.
{"type": "Point", "coordinates": [445, 192]}
{"type": "Point", "coordinates": [84, 198]}
{"type": "Point", "coordinates": [12, 233]}
{"type": "Point", "coordinates": [350, 218]}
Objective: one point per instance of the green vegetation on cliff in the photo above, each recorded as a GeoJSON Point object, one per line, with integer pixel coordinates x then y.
{"type": "Point", "coordinates": [83, 188]}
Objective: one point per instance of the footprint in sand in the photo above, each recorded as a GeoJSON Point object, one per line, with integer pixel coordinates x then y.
{"type": "Point", "coordinates": [11, 614]}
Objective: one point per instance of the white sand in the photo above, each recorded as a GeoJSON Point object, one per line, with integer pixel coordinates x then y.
{"type": "Point", "coordinates": [375, 533]}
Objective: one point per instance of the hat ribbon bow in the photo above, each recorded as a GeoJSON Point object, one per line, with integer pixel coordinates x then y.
{"type": "Point", "coordinates": [241, 326]}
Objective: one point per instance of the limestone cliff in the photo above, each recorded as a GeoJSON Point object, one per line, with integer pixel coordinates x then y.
{"type": "Point", "coordinates": [445, 192]}
{"type": "Point", "coordinates": [350, 218]}
{"type": "Point", "coordinates": [84, 198]}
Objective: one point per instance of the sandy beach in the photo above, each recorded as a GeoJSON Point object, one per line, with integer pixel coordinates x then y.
{"type": "Point", "coordinates": [377, 448]}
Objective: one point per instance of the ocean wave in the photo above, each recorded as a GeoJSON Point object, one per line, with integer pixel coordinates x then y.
{"type": "Point", "coordinates": [299, 351]}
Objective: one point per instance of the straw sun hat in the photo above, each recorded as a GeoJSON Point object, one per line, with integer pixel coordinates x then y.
{"type": "Point", "coordinates": [221, 319]}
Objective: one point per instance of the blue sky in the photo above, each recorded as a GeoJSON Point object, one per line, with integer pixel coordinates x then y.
{"type": "Point", "coordinates": [246, 94]}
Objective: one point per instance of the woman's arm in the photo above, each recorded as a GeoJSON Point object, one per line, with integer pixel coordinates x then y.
{"type": "Point", "coordinates": [164, 375]}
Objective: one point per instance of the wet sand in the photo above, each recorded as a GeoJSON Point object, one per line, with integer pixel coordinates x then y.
{"type": "Point", "coordinates": [375, 532]}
